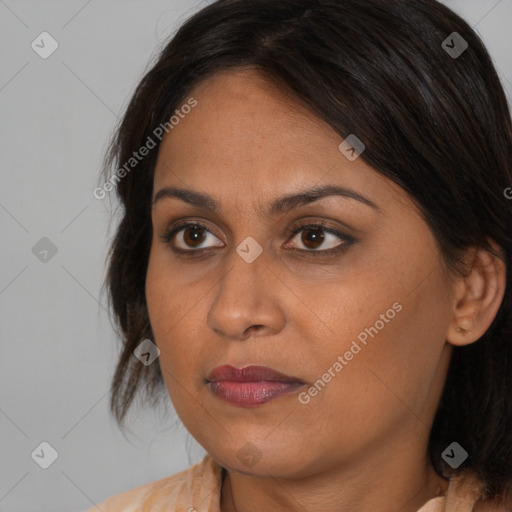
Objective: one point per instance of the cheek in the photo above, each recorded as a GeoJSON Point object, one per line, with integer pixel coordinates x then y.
{"type": "Point", "coordinates": [163, 308]}
{"type": "Point", "coordinates": [174, 311]}
{"type": "Point", "coordinates": [390, 336]}
{"type": "Point", "coordinates": [157, 296]}
{"type": "Point", "coordinates": [382, 383]}
{"type": "Point", "coordinates": [413, 355]}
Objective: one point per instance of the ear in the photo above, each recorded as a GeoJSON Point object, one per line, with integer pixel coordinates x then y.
{"type": "Point", "coordinates": [477, 295]}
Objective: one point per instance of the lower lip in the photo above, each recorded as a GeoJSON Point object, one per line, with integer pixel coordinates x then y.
{"type": "Point", "coordinates": [251, 394]}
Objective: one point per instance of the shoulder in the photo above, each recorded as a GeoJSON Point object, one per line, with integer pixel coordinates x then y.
{"type": "Point", "coordinates": [466, 493]}
{"type": "Point", "coordinates": [196, 487]}
{"type": "Point", "coordinates": [491, 506]}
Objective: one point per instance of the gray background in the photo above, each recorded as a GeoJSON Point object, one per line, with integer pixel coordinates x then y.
{"type": "Point", "coordinates": [57, 344]}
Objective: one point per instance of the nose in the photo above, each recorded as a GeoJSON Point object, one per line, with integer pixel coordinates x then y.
{"type": "Point", "coordinates": [248, 300]}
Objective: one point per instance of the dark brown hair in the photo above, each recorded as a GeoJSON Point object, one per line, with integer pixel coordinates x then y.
{"type": "Point", "coordinates": [436, 124]}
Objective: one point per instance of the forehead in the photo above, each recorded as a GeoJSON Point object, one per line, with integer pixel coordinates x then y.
{"type": "Point", "coordinates": [245, 136]}
{"type": "Point", "coordinates": [239, 114]}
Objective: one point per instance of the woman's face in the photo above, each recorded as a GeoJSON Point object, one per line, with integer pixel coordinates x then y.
{"type": "Point", "coordinates": [360, 331]}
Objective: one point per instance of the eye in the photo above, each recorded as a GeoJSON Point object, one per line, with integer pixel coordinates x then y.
{"type": "Point", "coordinates": [312, 236]}
{"type": "Point", "coordinates": [191, 235]}
{"type": "Point", "coordinates": [188, 238]}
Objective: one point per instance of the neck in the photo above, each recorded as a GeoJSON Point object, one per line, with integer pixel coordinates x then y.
{"type": "Point", "coordinates": [378, 485]}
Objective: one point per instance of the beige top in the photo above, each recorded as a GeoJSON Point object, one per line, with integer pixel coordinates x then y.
{"type": "Point", "coordinates": [197, 489]}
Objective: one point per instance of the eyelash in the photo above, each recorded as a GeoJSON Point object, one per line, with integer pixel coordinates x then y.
{"type": "Point", "coordinates": [300, 226]}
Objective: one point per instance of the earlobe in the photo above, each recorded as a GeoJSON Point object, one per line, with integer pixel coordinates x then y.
{"type": "Point", "coordinates": [477, 296]}
{"type": "Point", "coordinates": [460, 336]}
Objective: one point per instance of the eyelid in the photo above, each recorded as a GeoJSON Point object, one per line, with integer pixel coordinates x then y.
{"type": "Point", "coordinates": [170, 233]}
{"type": "Point", "coordinates": [346, 240]}
{"type": "Point", "coordinates": [301, 225]}
{"type": "Point", "coordinates": [179, 225]}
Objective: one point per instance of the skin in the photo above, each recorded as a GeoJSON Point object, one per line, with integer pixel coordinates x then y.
{"type": "Point", "coordinates": [361, 443]}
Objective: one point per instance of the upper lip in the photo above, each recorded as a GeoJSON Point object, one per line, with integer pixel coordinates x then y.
{"type": "Point", "coordinates": [249, 374]}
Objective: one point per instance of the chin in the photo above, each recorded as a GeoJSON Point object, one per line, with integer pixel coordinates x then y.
{"type": "Point", "coordinates": [252, 459]}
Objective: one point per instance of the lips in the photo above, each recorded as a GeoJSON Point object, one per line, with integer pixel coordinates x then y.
{"type": "Point", "coordinates": [250, 386]}
{"type": "Point", "coordinates": [249, 374]}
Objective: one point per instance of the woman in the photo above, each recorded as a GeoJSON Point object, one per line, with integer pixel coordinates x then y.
{"type": "Point", "coordinates": [312, 259]}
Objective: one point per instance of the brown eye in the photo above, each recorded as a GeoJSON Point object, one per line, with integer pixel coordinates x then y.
{"type": "Point", "coordinates": [318, 239]}
{"type": "Point", "coordinates": [193, 236]}
{"type": "Point", "coordinates": [312, 238]}
{"type": "Point", "coordinates": [189, 236]}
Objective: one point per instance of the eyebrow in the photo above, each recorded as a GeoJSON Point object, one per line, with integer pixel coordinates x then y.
{"type": "Point", "coordinates": [278, 206]}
